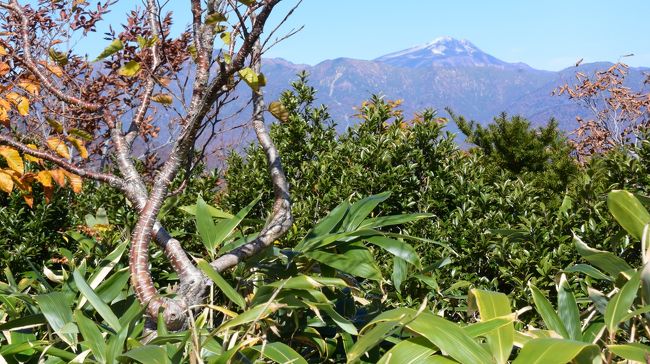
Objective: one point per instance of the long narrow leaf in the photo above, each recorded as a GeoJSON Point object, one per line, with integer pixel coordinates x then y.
{"type": "Point", "coordinates": [545, 309]}
{"type": "Point", "coordinates": [102, 309]}
{"type": "Point", "coordinates": [619, 305]}
{"type": "Point", "coordinates": [223, 285]}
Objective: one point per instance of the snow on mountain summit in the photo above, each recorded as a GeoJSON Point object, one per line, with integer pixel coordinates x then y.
{"type": "Point", "coordinates": [446, 51]}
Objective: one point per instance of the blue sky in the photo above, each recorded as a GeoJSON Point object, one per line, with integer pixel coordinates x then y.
{"type": "Point", "coordinates": [548, 34]}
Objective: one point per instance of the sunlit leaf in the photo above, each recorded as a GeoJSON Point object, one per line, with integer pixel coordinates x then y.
{"type": "Point", "coordinates": [628, 211]}
{"type": "Point", "coordinates": [14, 161]}
{"type": "Point", "coordinates": [58, 176]}
{"type": "Point", "coordinates": [45, 178]}
{"type": "Point", "coordinates": [277, 109]}
{"type": "Point", "coordinates": [492, 305]}
{"type": "Point", "coordinates": [251, 78]}
{"type": "Point", "coordinates": [226, 38]}
{"type": "Point", "coordinates": [79, 145]}
{"type": "Point", "coordinates": [55, 125]}
{"type": "Point", "coordinates": [165, 99]}
{"type": "Point", "coordinates": [115, 46]}
{"type": "Point", "coordinates": [618, 306]}
{"type": "Point", "coordinates": [31, 158]}
{"type": "Point", "coordinates": [58, 146]}
{"type": "Point", "coordinates": [21, 103]}
{"type": "Point", "coordinates": [76, 182]}
{"type": "Point", "coordinates": [4, 112]}
{"type": "Point", "coordinates": [555, 351]}
{"type": "Point", "coordinates": [6, 182]}
{"type": "Point", "coordinates": [81, 134]}
{"type": "Point", "coordinates": [4, 69]}
{"type": "Point", "coordinates": [3, 51]}
{"type": "Point", "coordinates": [214, 18]}
{"type": "Point", "coordinates": [30, 86]}
{"type": "Point", "coordinates": [58, 57]}
{"type": "Point", "coordinates": [130, 69]}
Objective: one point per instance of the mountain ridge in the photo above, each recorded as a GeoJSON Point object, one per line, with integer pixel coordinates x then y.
{"type": "Point", "coordinates": [442, 73]}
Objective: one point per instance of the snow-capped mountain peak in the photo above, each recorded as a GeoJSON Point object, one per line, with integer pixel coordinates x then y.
{"type": "Point", "coordinates": [446, 51]}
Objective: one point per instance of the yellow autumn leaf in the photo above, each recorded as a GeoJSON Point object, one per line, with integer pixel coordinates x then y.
{"type": "Point", "coordinates": [58, 176]}
{"type": "Point", "coordinates": [45, 178]}
{"type": "Point", "coordinates": [3, 51]}
{"type": "Point", "coordinates": [130, 69]}
{"type": "Point", "coordinates": [14, 161]}
{"type": "Point", "coordinates": [29, 157]}
{"type": "Point", "coordinates": [279, 111]}
{"type": "Point", "coordinates": [30, 86]}
{"type": "Point", "coordinates": [59, 147]}
{"type": "Point", "coordinates": [56, 70]}
{"type": "Point", "coordinates": [165, 99]}
{"type": "Point", "coordinates": [6, 182]}
{"type": "Point", "coordinates": [4, 115]}
{"type": "Point", "coordinates": [76, 182]}
{"type": "Point", "coordinates": [21, 103]}
{"type": "Point", "coordinates": [79, 145]}
{"type": "Point", "coordinates": [4, 69]}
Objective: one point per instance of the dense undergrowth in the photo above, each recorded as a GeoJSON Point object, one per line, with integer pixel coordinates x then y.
{"type": "Point", "coordinates": [381, 275]}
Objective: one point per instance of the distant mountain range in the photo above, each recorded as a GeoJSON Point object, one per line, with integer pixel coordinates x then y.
{"type": "Point", "coordinates": [442, 73]}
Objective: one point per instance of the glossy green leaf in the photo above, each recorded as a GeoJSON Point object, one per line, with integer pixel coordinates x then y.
{"type": "Point", "coordinates": [554, 351]}
{"type": "Point", "coordinates": [102, 309]}
{"type": "Point", "coordinates": [410, 351]}
{"type": "Point", "coordinates": [93, 338]}
{"type": "Point", "coordinates": [370, 338]}
{"type": "Point", "coordinates": [55, 308]}
{"type": "Point", "coordinates": [253, 314]}
{"type": "Point", "coordinates": [492, 305]}
{"type": "Point", "coordinates": [223, 285]}
{"type": "Point", "coordinates": [279, 353]}
{"type": "Point", "coordinates": [628, 211]}
{"type": "Point", "coordinates": [213, 211]}
{"type": "Point", "coordinates": [360, 210]}
{"type": "Point", "coordinates": [590, 271]}
{"type": "Point", "coordinates": [620, 303]}
{"type": "Point", "coordinates": [224, 228]}
{"type": "Point", "coordinates": [593, 332]}
{"type": "Point", "coordinates": [325, 226]}
{"type": "Point", "coordinates": [400, 272]}
{"type": "Point", "coordinates": [634, 351]}
{"type": "Point", "coordinates": [608, 262]}
{"type": "Point", "coordinates": [397, 248]}
{"type": "Point", "coordinates": [357, 261]}
{"type": "Point", "coordinates": [568, 309]}
{"type": "Point", "coordinates": [112, 48]}
{"type": "Point", "coordinates": [450, 338]}
{"type": "Point", "coordinates": [205, 225]}
{"type": "Point", "coordinates": [149, 354]}
{"type": "Point", "coordinates": [391, 220]}
{"type": "Point", "coordinates": [484, 327]}
{"type": "Point", "coordinates": [24, 322]}
{"type": "Point", "coordinates": [545, 309]}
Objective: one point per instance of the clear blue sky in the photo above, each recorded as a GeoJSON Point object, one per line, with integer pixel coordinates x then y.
{"type": "Point", "coordinates": [546, 34]}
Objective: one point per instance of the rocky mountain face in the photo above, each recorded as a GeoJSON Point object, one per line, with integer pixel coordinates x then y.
{"type": "Point", "coordinates": [443, 73]}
